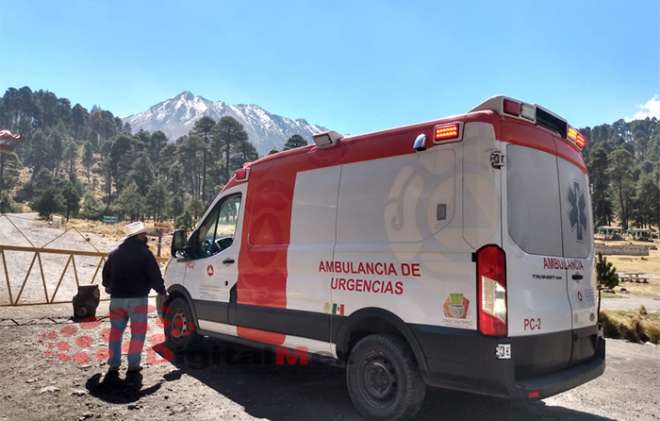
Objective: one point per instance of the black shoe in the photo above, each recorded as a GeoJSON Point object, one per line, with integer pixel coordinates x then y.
{"type": "Point", "coordinates": [111, 376]}
{"type": "Point", "coordinates": [134, 378]}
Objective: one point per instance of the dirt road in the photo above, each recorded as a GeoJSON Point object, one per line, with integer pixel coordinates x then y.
{"type": "Point", "coordinates": [231, 382]}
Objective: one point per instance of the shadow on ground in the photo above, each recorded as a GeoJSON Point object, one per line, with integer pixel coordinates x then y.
{"type": "Point", "coordinates": [118, 392]}
{"type": "Point", "coordinates": [317, 391]}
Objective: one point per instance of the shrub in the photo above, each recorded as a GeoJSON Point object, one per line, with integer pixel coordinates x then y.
{"type": "Point", "coordinates": [606, 273]}
{"type": "Point", "coordinates": [634, 326]}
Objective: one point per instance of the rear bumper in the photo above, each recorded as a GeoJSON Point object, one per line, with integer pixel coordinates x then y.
{"type": "Point", "coordinates": [540, 366]}
{"type": "Point", "coordinates": [561, 381]}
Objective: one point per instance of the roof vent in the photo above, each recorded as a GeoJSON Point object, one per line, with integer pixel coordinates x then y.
{"type": "Point", "coordinates": [327, 139]}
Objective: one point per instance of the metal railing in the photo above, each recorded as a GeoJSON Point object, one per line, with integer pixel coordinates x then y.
{"type": "Point", "coordinates": [36, 258]}
{"type": "Point", "coordinates": [38, 251]}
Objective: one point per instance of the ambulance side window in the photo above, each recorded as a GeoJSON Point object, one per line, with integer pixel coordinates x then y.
{"type": "Point", "coordinates": [216, 233]}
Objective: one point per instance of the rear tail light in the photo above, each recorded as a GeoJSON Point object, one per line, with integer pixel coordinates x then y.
{"type": "Point", "coordinates": [512, 107]}
{"type": "Point", "coordinates": [491, 290]}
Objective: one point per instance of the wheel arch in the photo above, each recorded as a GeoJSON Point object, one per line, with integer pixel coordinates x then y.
{"type": "Point", "coordinates": [374, 320]}
{"type": "Point", "coordinates": [179, 291]}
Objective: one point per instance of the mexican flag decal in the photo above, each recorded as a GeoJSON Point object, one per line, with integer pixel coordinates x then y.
{"type": "Point", "coordinates": [334, 308]}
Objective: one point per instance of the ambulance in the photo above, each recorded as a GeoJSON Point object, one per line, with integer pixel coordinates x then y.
{"type": "Point", "coordinates": [455, 253]}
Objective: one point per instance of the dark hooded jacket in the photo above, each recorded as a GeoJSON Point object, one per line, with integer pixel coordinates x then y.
{"type": "Point", "coordinates": [132, 270]}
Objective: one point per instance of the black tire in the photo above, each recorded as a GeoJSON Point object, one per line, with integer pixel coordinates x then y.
{"type": "Point", "coordinates": [179, 326]}
{"type": "Point", "coordinates": [383, 379]}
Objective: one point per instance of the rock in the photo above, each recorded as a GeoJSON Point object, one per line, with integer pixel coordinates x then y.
{"type": "Point", "coordinates": [85, 416]}
{"type": "Point", "coordinates": [133, 406]}
{"type": "Point", "coordinates": [49, 389]}
{"type": "Point", "coordinates": [30, 381]}
{"type": "Point", "coordinates": [79, 392]}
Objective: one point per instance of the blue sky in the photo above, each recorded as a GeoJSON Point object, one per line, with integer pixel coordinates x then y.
{"type": "Point", "coordinates": [352, 66]}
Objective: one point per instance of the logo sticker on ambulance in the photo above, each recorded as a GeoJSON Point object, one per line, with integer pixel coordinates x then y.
{"type": "Point", "coordinates": [577, 214]}
{"type": "Point", "coordinates": [456, 306]}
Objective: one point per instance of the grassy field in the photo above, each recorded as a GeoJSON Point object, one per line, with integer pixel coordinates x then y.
{"type": "Point", "coordinates": [652, 289]}
{"type": "Point", "coordinates": [635, 326]}
{"type": "Point", "coordinates": [644, 264]}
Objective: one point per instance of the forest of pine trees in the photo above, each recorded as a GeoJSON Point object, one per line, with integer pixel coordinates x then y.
{"type": "Point", "coordinates": [624, 171]}
{"type": "Point", "coordinates": [87, 163]}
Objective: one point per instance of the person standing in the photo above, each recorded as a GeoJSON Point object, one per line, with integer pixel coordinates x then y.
{"type": "Point", "coordinates": [129, 273]}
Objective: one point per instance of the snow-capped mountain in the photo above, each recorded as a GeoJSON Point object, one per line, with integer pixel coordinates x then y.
{"type": "Point", "coordinates": [176, 117]}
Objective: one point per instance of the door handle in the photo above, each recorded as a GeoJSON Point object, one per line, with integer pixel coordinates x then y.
{"type": "Point", "coordinates": [577, 277]}
{"type": "Point", "coordinates": [228, 261]}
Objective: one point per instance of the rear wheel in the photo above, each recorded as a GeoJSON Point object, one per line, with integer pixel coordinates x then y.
{"type": "Point", "coordinates": [383, 380]}
{"type": "Point", "coordinates": [179, 326]}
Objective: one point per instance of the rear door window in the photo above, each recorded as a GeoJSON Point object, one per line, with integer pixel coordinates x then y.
{"type": "Point", "coordinates": [534, 211]}
{"type": "Point", "coordinates": [575, 210]}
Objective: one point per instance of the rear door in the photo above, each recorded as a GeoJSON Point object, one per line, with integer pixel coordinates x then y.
{"type": "Point", "coordinates": [537, 295]}
{"type": "Point", "coordinates": [577, 235]}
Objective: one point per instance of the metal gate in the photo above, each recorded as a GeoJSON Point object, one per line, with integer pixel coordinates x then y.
{"type": "Point", "coordinates": [37, 252]}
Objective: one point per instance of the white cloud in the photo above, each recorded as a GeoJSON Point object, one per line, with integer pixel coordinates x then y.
{"type": "Point", "coordinates": [650, 108]}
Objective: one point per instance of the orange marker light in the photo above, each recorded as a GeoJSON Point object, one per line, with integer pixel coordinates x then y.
{"type": "Point", "coordinates": [572, 134]}
{"type": "Point", "coordinates": [447, 132]}
{"type": "Point", "coordinates": [580, 141]}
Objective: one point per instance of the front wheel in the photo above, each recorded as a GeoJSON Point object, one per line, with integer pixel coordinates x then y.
{"type": "Point", "coordinates": [383, 379]}
{"type": "Point", "coordinates": [179, 326]}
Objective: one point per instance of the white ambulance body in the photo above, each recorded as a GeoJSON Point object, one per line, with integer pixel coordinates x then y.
{"type": "Point", "coordinates": [455, 253]}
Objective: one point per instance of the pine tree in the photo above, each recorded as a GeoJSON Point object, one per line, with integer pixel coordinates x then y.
{"type": "Point", "coordinates": [130, 202]}
{"type": "Point", "coordinates": [70, 156]}
{"type": "Point", "coordinates": [71, 198]}
{"type": "Point", "coordinates": [142, 173]}
{"type": "Point", "coordinates": [295, 141]}
{"type": "Point", "coordinates": [228, 133]}
{"type": "Point", "coordinates": [606, 273]}
{"type": "Point", "coordinates": [156, 200]}
{"type": "Point", "coordinates": [91, 208]}
{"type": "Point", "coordinates": [599, 176]}
{"type": "Point", "coordinates": [88, 161]}
{"type": "Point", "coordinates": [9, 171]}
{"type": "Point", "coordinates": [48, 202]}
{"type": "Point", "coordinates": [621, 174]}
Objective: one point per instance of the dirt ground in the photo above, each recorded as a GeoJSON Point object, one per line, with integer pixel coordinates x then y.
{"type": "Point", "coordinates": [45, 376]}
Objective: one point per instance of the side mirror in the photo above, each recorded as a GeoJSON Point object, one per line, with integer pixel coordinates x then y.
{"type": "Point", "coordinates": [179, 243]}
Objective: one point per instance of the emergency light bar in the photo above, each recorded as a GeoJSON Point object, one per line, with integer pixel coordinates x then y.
{"type": "Point", "coordinates": [327, 139]}
{"type": "Point", "coordinates": [537, 115]}
{"type": "Point", "coordinates": [242, 174]}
